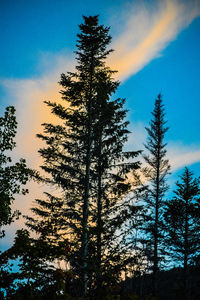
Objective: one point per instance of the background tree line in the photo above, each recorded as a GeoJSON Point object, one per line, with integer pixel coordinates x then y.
{"type": "Point", "coordinates": [104, 221]}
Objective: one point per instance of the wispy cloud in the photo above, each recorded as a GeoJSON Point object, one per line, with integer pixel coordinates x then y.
{"type": "Point", "coordinates": [28, 96]}
{"type": "Point", "coordinates": [181, 155]}
{"type": "Point", "coordinates": [147, 31]}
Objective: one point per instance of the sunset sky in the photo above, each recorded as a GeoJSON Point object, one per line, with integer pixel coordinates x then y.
{"type": "Point", "coordinates": [157, 49]}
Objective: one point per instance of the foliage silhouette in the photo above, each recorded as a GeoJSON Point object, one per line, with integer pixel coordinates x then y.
{"type": "Point", "coordinates": [156, 171]}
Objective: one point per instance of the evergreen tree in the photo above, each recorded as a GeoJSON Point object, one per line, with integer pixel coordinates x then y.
{"type": "Point", "coordinates": [183, 223]}
{"type": "Point", "coordinates": [156, 171]}
{"type": "Point", "coordinates": [32, 279]}
{"type": "Point", "coordinates": [12, 179]}
{"type": "Point", "coordinates": [84, 158]}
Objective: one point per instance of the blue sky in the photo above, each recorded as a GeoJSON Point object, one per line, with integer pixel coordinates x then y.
{"type": "Point", "coordinates": [157, 49]}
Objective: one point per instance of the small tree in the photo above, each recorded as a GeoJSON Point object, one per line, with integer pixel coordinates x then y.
{"type": "Point", "coordinates": [183, 223]}
{"type": "Point", "coordinates": [156, 171]}
{"type": "Point", "coordinates": [12, 177]}
{"type": "Point", "coordinates": [33, 278]}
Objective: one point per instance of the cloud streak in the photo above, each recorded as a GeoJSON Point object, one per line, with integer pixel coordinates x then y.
{"type": "Point", "coordinates": [28, 96]}
{"type": "Point", "coordinates": [148, 31]}
{"type": "Point", "coordinates": [181, 155]}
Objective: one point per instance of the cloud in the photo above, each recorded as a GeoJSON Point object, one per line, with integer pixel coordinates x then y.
{"type": "Point", "coordinates": [147, 31]}
{"type": "Point", "coordinates": [28, 96]}
{"type": "Point", "coordinates": [182, 155]}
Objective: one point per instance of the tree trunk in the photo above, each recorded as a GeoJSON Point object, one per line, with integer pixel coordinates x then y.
{"type": "Point", "coordinates": [99, 216]}
{"type": "Point", "coordinates": [155, 267]}
{"type": "Point", "coordinates": [85, 223]}
{"type": "Point", "coordinates": [87, 187]}
{"type": "Point", "coordinates": [185, 269]}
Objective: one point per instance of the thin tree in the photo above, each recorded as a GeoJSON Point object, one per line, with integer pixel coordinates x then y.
{"type": "Point", "coordinates": [156, 171]}
{"type": "Point", "coordinates": [183, 224]}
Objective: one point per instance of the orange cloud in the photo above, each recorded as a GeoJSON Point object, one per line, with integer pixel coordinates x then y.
{"type": "Point", "coordinates": [147, 33]}
{"type": "Point", "coordinates": [29, 95]}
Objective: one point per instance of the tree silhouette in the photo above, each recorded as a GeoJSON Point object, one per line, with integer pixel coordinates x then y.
{"type": "Point", "coordinates": [84, 158]}
{"type": "Point", "coordinates": [12, 177]}
{"type": "Point", "coordinates": [182, 222]}
{"type": "Point", "coordinates": [156, 171]}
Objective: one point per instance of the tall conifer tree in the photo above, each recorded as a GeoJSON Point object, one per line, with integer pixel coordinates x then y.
{"type": "Point", "coordinates": [156, 171]}
{"type": "Point", "coordinates": [84, 155]}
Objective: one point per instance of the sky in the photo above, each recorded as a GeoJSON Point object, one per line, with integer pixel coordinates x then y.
{"type": "Point", "coordinates": [157, 50]}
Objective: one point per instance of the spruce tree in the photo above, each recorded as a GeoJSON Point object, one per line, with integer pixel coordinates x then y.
{"type": "Point", "coordinates": [84, 157]}
{"type": "Point", "coordinates": [182, 223]}
{"type": "Point", "coordinates": [156, 171]}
